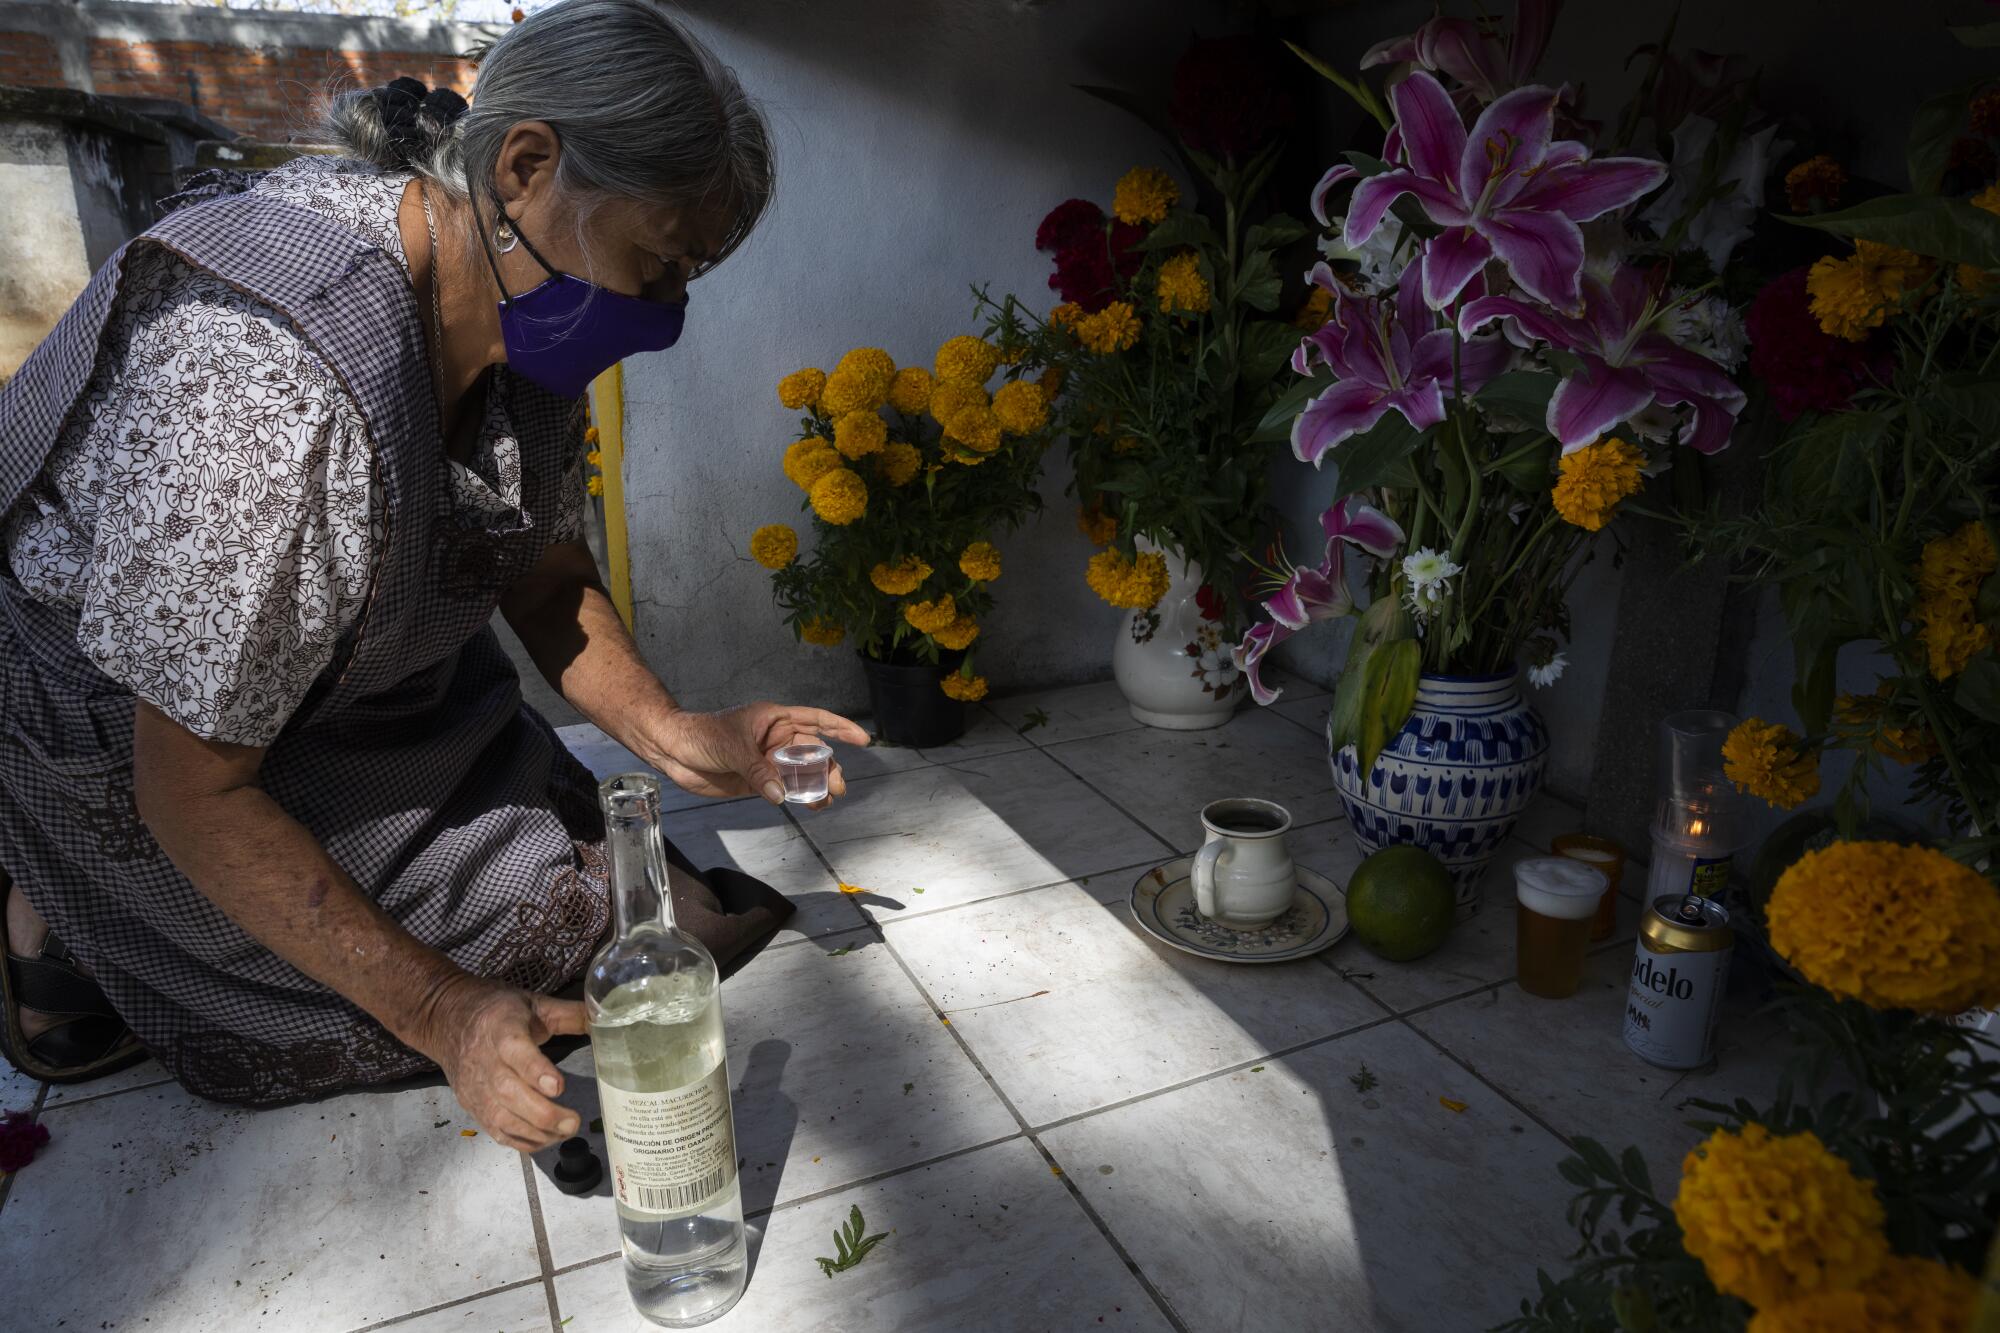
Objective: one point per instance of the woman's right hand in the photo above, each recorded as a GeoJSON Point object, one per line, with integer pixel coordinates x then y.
{"type": "Point", "coordinates": [487, 1038]}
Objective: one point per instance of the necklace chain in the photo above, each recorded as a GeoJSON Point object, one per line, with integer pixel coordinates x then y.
{"type": "Point", "coordinates": [437, 301]}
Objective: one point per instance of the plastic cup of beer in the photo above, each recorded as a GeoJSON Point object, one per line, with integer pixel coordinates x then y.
{"type": "Point", "coordinates": [1556, 900]}
{"type": "Point", "coordinates": [805, 768]}
{"type": "Point", "coordinates": [1599, 854]}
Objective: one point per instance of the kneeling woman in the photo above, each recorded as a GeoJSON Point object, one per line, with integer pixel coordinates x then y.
{"type": "Point", "coordinates": [270, 802]}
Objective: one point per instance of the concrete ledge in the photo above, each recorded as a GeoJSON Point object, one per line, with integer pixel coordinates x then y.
{"type": "Point", "coordinates": [75, 108]}
{"type": "Point", "coordinates": [238, 27]}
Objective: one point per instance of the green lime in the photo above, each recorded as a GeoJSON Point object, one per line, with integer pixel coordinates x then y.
{"type": "Point", "coordinates": [1401, 903]}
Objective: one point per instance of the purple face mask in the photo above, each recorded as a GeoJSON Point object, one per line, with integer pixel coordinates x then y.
{"type": "Point", "coordinates": [565, 332]}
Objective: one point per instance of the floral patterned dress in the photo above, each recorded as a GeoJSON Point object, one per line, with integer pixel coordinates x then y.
{"type": "Point", "coordinates": [223, 490]}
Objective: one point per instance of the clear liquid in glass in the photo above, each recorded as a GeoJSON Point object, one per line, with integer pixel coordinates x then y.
{"type": "Point", "coordinates": [653, 999]}
{"type": "Point", "coordinates": [804, 768]}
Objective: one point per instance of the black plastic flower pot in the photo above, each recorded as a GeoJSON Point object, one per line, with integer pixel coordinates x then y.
{"type": "Point", "coordinates": [911, 707]}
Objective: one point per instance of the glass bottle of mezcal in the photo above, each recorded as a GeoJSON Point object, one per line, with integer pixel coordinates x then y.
{"type": "Point", "coordinates": [653, 998]}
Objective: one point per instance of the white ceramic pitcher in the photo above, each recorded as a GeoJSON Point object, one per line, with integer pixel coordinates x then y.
{"type": "Point", "coordinates": [1243, 874]}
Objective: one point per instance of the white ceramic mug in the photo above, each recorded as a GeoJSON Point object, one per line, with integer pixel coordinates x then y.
{"type": "Point", "coordinates": [1243, 875]}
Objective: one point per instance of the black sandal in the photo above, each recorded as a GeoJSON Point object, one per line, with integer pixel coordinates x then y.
{"type": "Point", "coordinates": [88, 1040]}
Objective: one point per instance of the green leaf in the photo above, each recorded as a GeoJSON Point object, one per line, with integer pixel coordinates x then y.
{"type": "Point", "coordinates": [1275, 232]}
{"type": "Point", "coordinates": [1978, 691]}
{"type": "Point", "coordinates": [1972, 396]}
{"type": "Point", "coordinates": [1179, 230]}
{"type": "Point", "coordinates": [1526, 468]}
{"type": "Point", "coordinates": [1385, 619]}
{"type": "Point", "coordinates": [1277, 422]}
{"type": "Point", "coordinates": [1977, 34]}
{"type": "Point", "coordinates": [1364, 96]}
{"type": "Point", "coordinates": [1932, 131]}
{"type": "Point", "coordinates": [1266, 345]}
{"type": "Point", "coordinates": [1376, 457]}
{"type": "Point", "coordinates": [1523, 394]}
{"type": "Point", "coordinates": [850, 1245]}
{"type": "Point", "coordinates": [1948, 229]}
{"type": "Point", "coordinates": [1388, 696]}
{"type": "Point", "coordinates": [1258, 284]}
{"type": "Point", "coordinates": [1813, 689]}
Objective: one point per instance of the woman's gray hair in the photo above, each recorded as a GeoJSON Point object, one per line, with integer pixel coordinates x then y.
{"type": "Point", "coordinates": [644, 112]}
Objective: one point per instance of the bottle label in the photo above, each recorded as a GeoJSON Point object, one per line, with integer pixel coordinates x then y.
{"type": "Point", "coordinates": [673, 1152]}
{"type": "Point", "coordinates": [1710, 878]}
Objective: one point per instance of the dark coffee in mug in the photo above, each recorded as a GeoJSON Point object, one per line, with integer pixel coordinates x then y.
{"type": "Point", "coordinates": [1247, 821]}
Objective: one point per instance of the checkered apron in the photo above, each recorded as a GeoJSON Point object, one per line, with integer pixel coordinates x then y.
{"type": "Point", "coordinates": [413, 759]}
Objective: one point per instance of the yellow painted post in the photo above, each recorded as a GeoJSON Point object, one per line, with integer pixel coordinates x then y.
{"type": "Point", "coordinates": [607, 400]}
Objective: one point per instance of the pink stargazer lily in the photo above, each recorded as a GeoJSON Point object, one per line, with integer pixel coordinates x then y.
{"type": "Point", "coordinates": [1474, 52]}
{"type": "Point", "coordinates": [1627, 363]}
{"type": "Point", "coordinates": [1509, 190]}
{"type": "Point", "coordinates": [1384, 356]}
{"type": "Point", "coordinates": [1320, 593]}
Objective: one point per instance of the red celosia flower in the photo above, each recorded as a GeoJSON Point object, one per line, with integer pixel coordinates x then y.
{"type": "Point", "coordinates": [1089, 271]}
{"type": "Point", "coordinates": [1069, 224]}
{"type": "Point", "coordinates": [1227, 99]}
{"type": "Point", "coordinates": [20, 1139]}
{"type": "Point", "coordinates": [1805, 367]}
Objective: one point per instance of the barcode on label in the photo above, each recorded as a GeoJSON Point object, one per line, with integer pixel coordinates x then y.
{"type": "Point", "coordinates": [674, 1198]}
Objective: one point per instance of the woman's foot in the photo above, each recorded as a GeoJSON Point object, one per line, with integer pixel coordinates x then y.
{"type": "Point", "coordinates": [57, 1026]}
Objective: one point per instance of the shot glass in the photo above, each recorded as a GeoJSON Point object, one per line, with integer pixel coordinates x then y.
{"type": "Point", "coordinates": [1557, 899]}
{"type": "Point", "coordinates": [803, 767]}
{"type": "Point", "coordinates": [1599, 854]}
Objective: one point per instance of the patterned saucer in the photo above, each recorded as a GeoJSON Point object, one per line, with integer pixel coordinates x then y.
{"type": "Point", "coordinates": [1163, 902]}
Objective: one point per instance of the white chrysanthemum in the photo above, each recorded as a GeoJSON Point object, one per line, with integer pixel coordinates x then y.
{"type": "Point", "coordinates": [1708, 325]}
{"type": "Point", "coordinates": [1548, 673]}
{"type": "Point", "coordinates": [1376, 257]}
{"type": "Point", "coordinates": [1427, 574]}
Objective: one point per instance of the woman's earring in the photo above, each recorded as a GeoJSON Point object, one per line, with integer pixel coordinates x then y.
{"type": "Point", "coordinates": [504, 238]}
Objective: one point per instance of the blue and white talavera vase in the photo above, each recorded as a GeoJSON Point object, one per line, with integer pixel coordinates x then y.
{"type": "Point", "coordinates": [1454, 780]}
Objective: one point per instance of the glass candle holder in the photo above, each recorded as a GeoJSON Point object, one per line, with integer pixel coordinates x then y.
{"type": "Point", "coordinates": [1606, 857]}
{"type": "Point", "coordinates": [1700, 822]}
{"type": "Point", "coordinates": [804, 768]}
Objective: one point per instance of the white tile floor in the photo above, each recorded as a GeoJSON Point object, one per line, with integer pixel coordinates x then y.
{"type": "Point", "coordinates": [1060, 1124]}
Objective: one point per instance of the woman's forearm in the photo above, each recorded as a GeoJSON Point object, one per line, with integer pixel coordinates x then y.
{"type": "Point", "coordinates": [269, 875]}
{"type": "Point", "coordinates": [567, 622]}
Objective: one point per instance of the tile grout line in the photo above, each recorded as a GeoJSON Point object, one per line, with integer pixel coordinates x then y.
{"type": "Point", "coordinates": [1117, 1247]}
{"type": "Point", "coordinates": [87, 1098]}
{"type": "Point", "coordinates": [542, 1254]}
{"type": "Point", "coordinates": [1487, 1083]}
{"type": "Point", "coordinates": [903, 918]}
{"type": "Point", "coordinates": [1111, 801]}
{"type": "Point", "coordinates": [445, 1305]}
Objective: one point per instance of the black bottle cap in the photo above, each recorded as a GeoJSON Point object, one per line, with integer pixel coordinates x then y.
{"type": "Point", "coordinates": [578, 1171]}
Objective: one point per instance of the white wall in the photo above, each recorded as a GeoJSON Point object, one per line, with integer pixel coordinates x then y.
{"type": "Point", "coordinates": [919, 143]}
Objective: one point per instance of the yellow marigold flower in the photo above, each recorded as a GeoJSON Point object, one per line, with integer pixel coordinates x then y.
{"type": "Point", "coordinates": [1021, 408]}
{"type": "Point", "coordinates": [966, 360]}
{"type": "Point", "coordinates": [1895, 927]}
{"type": "Point", "coordinates": [1125, 444]}
{"type": "Point", "coordinates": [898, 462]}
{"type": "Point", "coordinates": [1110, 330]}
{"type": "Point", "coordinates": [595, 458]}
{"type": "Point", "coordinates": [1096, 525]}
{"type": "Point", "coordinates": [808, 460]}
{"type": "Point", "coordinates": [840, 497]}
{"type": "Point", "coordinates": [1906, 1294]}
{"type": "Point", "coordinates": [1137, 584]}
{"type": "Point", "coordinates": [958, 687]}
{"type": "Point", "coordinates": [947, 400]}
{"type": "Point", "coordinates": [859, 383]}
{"type": "Point", "coordinates": [1595, 479]}
{"type": "Point", "coordinates": [980, 562]}
{"type": "Point", "coordinates": [1776, 1217]}
{"type": "Point", "coordinates": [977, 428]}
{"type": "Point", "coordinates": [801, 389]}
{"type": "Point", "coordinates": [774, 545]}
{"type": "Point", "coordinates": [1065, 314]}
{"type": "Point", "coordinates": [1182, 287]}
{"type": "Point", "coordinates": [910, 391]}
{"type": "Point", "coordinates": [1314, 311]}
{"type": "Point", "coordinates": [1771, 762]}
{"type": "Point", "coordinates": [1867, 717]}
{"type": "Point", "coordinates": [1143, 195]}
{"type": "Point", "coordinates": [595, 485]}
{"type": "Point", "coordinates": [590, 436]}
{"type": "Point", "coordinates": [1817, 179]}
{"type": "Point", "coordinates": [931, 616]}
{"type": "Point", "coordinates": [905, 576]}
{"type": "Point", "coordinates": [1948, 577]}
{"type": "Point", "coordinates": [1051, 382]}
{"type": "Point", "coordinates": [1853, 295]}
{"type": "Point", "coordinates": [822, 633]}
{"type": "Point", "coordinates": [859, 434]}
{"type": "Point", "coordinates": [958, 634]}
{"type": "Point", "coordinates": [1012, 356]}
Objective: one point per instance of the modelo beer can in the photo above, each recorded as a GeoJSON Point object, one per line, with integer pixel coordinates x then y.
{"type": "Point", "coordinates": [1678, 974]}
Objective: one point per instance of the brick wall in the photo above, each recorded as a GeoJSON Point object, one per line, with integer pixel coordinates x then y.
{"type": "Point", "coordinates": [259, 73]}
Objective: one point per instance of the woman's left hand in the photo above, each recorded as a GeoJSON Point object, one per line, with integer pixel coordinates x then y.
{"type": "Point", "coordinates": [729, 753]}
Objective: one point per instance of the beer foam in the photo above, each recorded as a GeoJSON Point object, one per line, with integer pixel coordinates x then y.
{"type": "Point", "coordinates": [1558, 887]}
